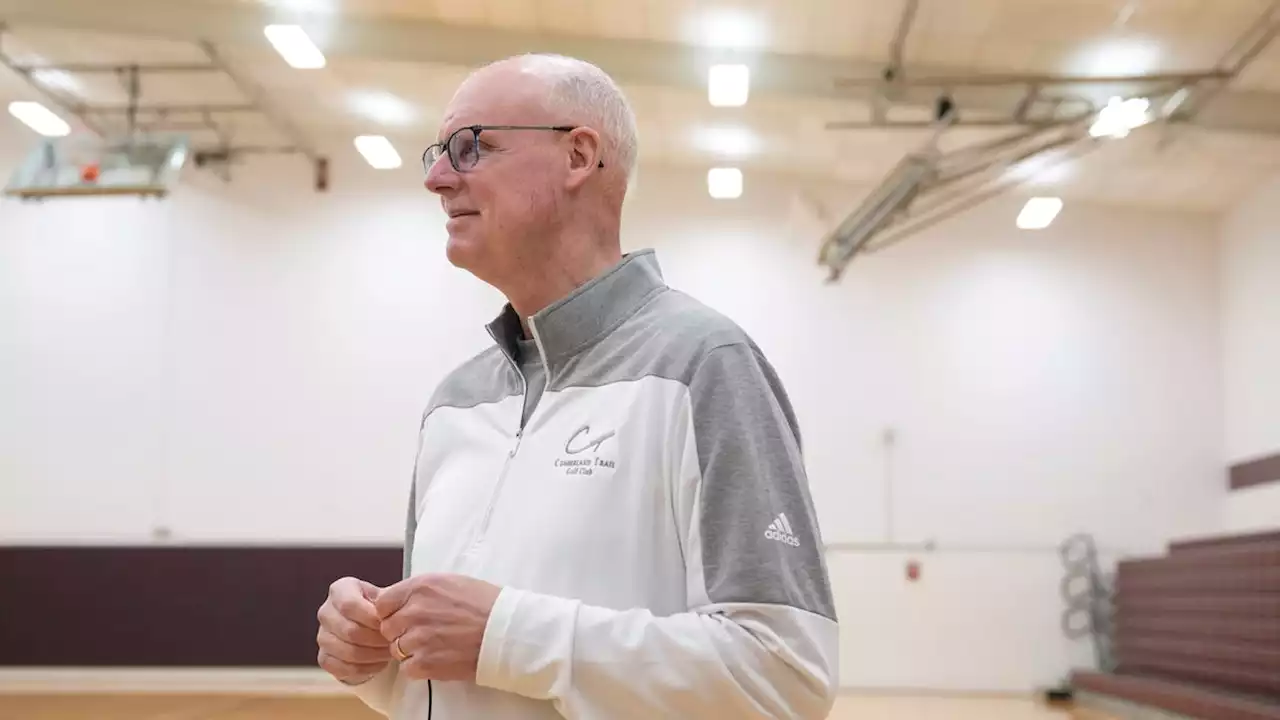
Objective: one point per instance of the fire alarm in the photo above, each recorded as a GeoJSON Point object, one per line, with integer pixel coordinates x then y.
{"type": "Point", "coordinates": [913, 570]}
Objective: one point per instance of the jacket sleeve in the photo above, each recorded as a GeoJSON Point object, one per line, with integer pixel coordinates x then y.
{"type": "Point", "coordinates": [759, 638]}
{"type": "Point", "coordinates": [376, 691]}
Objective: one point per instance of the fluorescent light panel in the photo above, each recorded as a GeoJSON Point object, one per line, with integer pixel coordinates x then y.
{"type": "Point", "coordinates": [724, 183]}
{"type": "Point", "coordinates": [39, 118]}
{"type": "Point", "coordinates": [295, 46]}
{"type": "Point", "coordinates": [1120, 116]}
{"type": "Point", "coordinates": [378, 151]}
{"type": "Point", "coordinates": [728, 85]}
{"type": "Point", "coordinates": [56, 79]}
{"type": "Point", "coordinates": [1039, 212]}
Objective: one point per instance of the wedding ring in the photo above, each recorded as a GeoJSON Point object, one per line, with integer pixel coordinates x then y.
{"type": "Point", "coordinates": [399, 652]}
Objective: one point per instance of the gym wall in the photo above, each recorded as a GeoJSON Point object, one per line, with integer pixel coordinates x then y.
{"type": "Point", "coordinates": [244, 367]}
{"type": "Point", "coordinates": [1251, 357]}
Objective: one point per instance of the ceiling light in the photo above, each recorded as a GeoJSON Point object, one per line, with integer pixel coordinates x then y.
{"type": "Point", "coordinates": [295, 46]}
{"type": "Point", "coordinates": [56, 79]}
{"type": "Point", "coordinates": [1039, 212]}
{"type": "Point", "coordinates": [51, 77]}
{"type": "Point", "coordinates": [378, 151]}
{"type": "Point", "coordinates": [734, 142]}
{"type": "Point", "coordinates": [728, 85]}
{"type": "Point", "coordinates": [724, 183]}
{"type": "Point", "coordinates": [40, 118]}
{"type": "Point", "coordinates": [1121, 116]}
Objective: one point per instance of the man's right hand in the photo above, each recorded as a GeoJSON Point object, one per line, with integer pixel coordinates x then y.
{"type": "Point", "coordinates": [351, 647]}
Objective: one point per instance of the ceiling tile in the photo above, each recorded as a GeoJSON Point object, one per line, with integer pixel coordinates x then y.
{"type": "Point", "coordinates": [520, 15]}
{"type": "Point", "coordinates": [630, 18]}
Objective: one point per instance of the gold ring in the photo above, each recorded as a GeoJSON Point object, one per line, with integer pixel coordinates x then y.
{"type": "Point", "coordinates": [400, 653]}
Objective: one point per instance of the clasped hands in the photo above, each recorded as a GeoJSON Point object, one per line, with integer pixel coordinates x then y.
{"type": "Point", "coordinates": [438, 621]}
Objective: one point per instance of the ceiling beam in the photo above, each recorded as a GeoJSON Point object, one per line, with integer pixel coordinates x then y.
{"type": "Point", "coordinates": [238, 26]}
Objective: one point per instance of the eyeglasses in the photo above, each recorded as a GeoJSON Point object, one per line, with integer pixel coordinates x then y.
{"type": "Point", "coordinates": [463, 145]}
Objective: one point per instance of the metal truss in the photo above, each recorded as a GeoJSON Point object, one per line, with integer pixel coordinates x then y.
{"type": "Point", "coordinates": [140, 118]}
{"type": "Point", "coordinates": [1048, 117]}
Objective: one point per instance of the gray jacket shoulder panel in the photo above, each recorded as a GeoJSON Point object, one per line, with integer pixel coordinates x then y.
{"type": "Point", "coordinates": [760, 537]}
{"type": "Point", "coordinates": [486, 378]}
{"type": "Point", "coordinates": [667, 337]}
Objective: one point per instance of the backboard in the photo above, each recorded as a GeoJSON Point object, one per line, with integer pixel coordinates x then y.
{"type": "Point", "coordinates": [84, 165]}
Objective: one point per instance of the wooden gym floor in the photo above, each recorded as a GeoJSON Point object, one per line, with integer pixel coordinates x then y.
{"type": "Point", "coordinates": [235, 707]}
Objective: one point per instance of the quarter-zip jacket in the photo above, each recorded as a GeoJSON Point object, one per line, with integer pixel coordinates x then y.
{"type": "Point", "coordinates": [650, 524]}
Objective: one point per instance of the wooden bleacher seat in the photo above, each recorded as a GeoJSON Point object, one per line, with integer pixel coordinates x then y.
{"type": "Point", "coordinates": [1197, 631]}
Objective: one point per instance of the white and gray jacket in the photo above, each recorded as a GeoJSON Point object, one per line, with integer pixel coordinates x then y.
{"type": "Point", "coordinates": [650, 522]}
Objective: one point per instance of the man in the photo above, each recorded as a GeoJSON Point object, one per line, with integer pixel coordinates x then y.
{"type": "Point", "coordinates": [609, 516]}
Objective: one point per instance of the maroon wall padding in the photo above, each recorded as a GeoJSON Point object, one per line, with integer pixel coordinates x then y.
{"type": "Point", "coordinates": [1255, 472]}
{"type": "Point", "coordinates": [1175, 697]}
{"type": "Point", "coordinates": [173, 606]}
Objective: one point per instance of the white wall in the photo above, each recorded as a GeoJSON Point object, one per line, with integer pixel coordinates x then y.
{"type": "Point", "coordinates": [1252, 509]}
{"type": "Point", "coordinates": [1251, 350]}
{"type": "Point", "coordinates": [248, 364]}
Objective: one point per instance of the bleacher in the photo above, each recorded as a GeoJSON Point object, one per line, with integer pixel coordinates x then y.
{"type": "Point", "coordinates": [1197, 631]}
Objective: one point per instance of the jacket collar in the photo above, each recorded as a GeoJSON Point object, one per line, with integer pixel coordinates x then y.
{"type": "Point", "coordinates": [585, 315]}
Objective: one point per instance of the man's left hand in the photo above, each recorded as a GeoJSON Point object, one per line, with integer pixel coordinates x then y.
{"type": "Point", "coordinates": [439, 621]}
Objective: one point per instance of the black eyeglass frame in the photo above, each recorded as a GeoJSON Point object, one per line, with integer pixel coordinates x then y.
{"type": "Point", "coordinates": [475, 131]}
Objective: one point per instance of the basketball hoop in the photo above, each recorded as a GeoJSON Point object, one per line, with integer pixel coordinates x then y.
{"type": "Point", "coordinates": [144, 166]}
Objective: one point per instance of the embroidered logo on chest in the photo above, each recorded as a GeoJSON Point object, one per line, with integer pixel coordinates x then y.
{"type": "Point", "coordinates": [577, 447]}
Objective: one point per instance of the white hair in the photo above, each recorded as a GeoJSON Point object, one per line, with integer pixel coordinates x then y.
{"type": "Point", "coordinates": [587, 94]}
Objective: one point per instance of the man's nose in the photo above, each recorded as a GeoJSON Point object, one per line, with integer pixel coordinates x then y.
{"type": "Point", "coordinates": [441, 177]}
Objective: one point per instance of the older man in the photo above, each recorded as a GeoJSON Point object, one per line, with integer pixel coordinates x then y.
{"type": "Point", "coordinates": [609, 515]}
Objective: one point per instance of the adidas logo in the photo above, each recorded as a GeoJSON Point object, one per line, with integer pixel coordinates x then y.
{"type": "Point", "coordinates": [780, 530]}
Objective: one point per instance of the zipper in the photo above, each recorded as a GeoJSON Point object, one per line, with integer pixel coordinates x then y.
{"type": "Point", "coordinates": [511, 454]}
{"type": "Point", "coordinates": [493, 501]}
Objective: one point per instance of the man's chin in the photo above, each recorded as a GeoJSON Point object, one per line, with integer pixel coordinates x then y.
{"type": "Point", "coordinates": [461, 252]}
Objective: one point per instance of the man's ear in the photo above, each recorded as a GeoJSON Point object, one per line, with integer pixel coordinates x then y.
{"type": "Point", "coordinates": [585, 155]}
